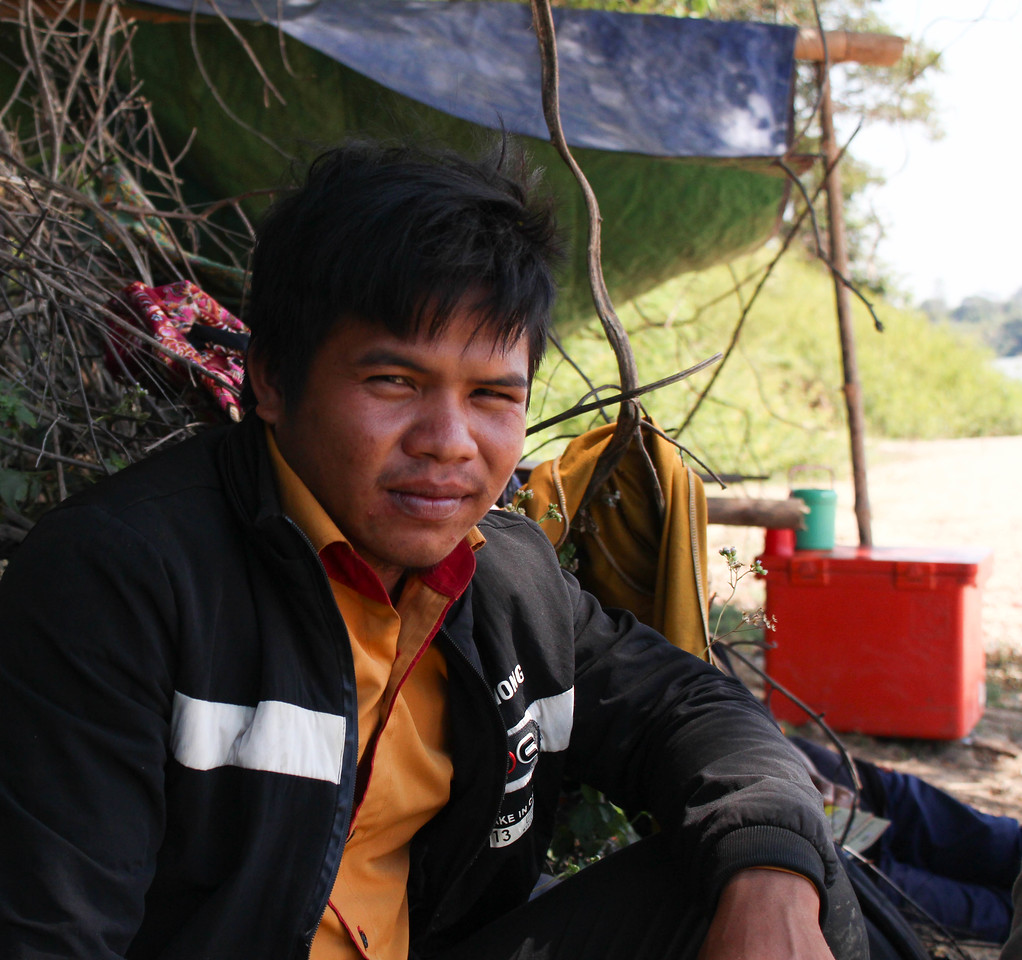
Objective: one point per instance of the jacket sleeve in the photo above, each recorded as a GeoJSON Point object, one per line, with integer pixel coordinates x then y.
{"type": "Point", "coordinates": [660, 730]}
{"type": "Point", "coordinates": [85, 696]}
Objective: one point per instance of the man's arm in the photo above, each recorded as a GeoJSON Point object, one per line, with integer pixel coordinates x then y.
{"type": "Point", "coordinates": [659, 730]}
{"type": "Point", "coordinates": [763, 915]}
{"type": "Point", "coordinates": [84, 696]}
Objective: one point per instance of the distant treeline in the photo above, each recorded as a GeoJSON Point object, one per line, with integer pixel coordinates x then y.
{"type": "Point", "coordinates": [998, 323]}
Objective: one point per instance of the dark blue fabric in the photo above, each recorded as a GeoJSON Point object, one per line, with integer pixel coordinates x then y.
{"type": "Point", "coordinates": [951, 859]}
{"type": "Point", "coordinates": [966, 909]}
{"type": "Point", "coordinates": [931, 829]}
{"type": "Point", "coordinates": [661, 86]}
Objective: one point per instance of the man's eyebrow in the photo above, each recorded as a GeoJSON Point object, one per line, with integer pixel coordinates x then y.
{"type": "Point", "coordinates": [388, 357]}
{"type": "Point", "coordinates": [513, 380]}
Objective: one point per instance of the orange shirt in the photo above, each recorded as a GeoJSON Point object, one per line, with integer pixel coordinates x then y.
{"type": "Point", "coordinates": [404, 762]}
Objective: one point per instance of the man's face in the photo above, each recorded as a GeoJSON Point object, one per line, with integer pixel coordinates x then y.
{"type": "Point", "coordinates": [405, 443]}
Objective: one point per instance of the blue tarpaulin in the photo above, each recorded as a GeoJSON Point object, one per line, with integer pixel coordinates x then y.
{"type": "Point", "coordinates": [677, 123]}
{"type": "Point", "coordinates": [660, 86]}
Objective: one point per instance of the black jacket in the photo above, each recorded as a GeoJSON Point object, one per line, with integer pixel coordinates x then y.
{"type": "Point", "coordinates": [178, 727]}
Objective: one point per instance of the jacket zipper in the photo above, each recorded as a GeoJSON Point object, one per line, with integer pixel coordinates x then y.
{"type": "Point", "coordinates": [451, 645]}
{"type": "Point", "coordinates": [332, 606]}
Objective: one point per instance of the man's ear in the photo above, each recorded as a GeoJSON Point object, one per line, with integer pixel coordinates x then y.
{"type": "Point", "coordinates": [265, 386]}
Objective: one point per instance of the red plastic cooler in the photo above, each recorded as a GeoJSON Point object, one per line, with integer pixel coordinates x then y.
{"type": "Point", "coordinates": [881, 640]}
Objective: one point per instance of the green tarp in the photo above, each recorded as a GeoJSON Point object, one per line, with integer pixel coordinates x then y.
{"type": "Point", "coordinates": [661, 217]}
{"type": "Point", "coordinates": [662, 84]}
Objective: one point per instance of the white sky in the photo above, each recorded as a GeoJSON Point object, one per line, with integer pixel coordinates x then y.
{"type": "Point", "coordinates": [953, 208]}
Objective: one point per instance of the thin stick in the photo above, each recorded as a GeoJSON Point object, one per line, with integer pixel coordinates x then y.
{"type": "Point", "coordinates": [36, 451]}
{"type": "Point", "coordinates": [623, 397]}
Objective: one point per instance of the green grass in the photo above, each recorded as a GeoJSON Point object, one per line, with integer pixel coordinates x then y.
{"type": "Point", "coordinates": [778, 401]}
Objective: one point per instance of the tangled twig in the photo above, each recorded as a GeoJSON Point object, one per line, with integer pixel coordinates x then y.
{"type": "Point", "coordinates": [629, 413]}
{"type": "Point", "coordinates": [81, 390]}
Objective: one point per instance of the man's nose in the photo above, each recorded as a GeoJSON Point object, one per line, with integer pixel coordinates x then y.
{"type": "Point", "coordinates": [443, 431]}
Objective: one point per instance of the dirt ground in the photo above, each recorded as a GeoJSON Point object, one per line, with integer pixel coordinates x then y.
{"type": "Point", "coordinates": [942, 493]}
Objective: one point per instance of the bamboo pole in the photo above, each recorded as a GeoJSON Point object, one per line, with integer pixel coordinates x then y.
{"type": "Point", "coordinates": [843, 46]}
{"type": "Point", "coordinates": [839, 263]}
{"type": "Point", "coordinates": [770, 514]}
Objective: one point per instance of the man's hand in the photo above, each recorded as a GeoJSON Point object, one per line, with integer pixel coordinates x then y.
{"type": "Point", "coordinates": [834, 794]}
{"type": "Point", "coordinates": [766, 915]}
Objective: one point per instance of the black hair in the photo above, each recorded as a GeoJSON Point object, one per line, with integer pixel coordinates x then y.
{"type": "Point", "coordinates": [402, 236]}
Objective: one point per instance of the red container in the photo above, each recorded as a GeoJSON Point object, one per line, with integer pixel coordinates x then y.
{"type": "Point", "coordinates": [881, 640]}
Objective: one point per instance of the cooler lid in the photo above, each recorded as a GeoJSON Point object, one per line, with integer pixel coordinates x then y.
{"type": "Point", "coordinates": [965, 565]}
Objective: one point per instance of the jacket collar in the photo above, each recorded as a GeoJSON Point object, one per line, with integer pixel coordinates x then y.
{"type": "Point", "coordinates": [248, 475]}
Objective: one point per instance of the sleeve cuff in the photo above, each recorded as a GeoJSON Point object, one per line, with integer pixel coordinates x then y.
{"type": "Point", "coordinates": [772, 847]}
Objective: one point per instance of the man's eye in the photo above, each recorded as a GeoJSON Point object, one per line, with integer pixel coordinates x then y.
{"type": "Point", "coordinates": [389, 378]}
{"type": "Point", "coordinates": [496, 395]}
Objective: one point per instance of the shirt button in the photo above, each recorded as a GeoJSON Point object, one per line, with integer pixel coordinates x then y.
{"type": "Point", "coordinates": [365, 939]}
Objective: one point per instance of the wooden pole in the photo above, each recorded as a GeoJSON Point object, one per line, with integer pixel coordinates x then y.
{"type": "Point", "coordinates": [839, 261]}
{"type": "Point", "coordinates": [874, 49]}
{"type": "Point", "coordinates": [771, 514]}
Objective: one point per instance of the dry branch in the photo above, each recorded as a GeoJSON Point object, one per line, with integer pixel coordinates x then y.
{"type": "Point", "coordinates": [629, 413]}
{"type": "Point", "coordinates": [81, 390]}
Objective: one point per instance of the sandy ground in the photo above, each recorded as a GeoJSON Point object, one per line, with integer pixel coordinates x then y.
{"type": "Point", "coordinates": [941, 493]}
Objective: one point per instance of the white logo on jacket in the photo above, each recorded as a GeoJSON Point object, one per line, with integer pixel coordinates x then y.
{"type": "Point", "coordinates": [544, 728]}
{"type": "Point", "coordinates": [506, 689]}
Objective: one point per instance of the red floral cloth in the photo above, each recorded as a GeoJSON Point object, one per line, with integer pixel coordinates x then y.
{"type": "Point", "coordinates": [169, 313]}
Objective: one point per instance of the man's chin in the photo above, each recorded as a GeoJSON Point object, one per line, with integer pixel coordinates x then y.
{"type": "Point", "coordinates": [423, 554]}
{"type": "Point", "coordinates": [427, 559]}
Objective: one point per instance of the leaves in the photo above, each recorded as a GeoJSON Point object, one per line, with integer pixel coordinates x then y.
{"type": "Point", "coordinates": [13, 410]}
{"type": "Point", "coordinates": [18, 487]}
{"type": "Point", "coordinates": [778, 402]}
{"type": "Point", "coordinates": [588, 828]}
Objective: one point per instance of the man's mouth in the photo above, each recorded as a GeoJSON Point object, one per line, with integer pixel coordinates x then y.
{"type": "Point", "coordinates": [430, 503]}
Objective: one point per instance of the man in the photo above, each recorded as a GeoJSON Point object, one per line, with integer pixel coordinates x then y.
{"type": "Point", "coordinates": [292, 689]}
{"type": "Point", "coordinates": [955, 862]}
